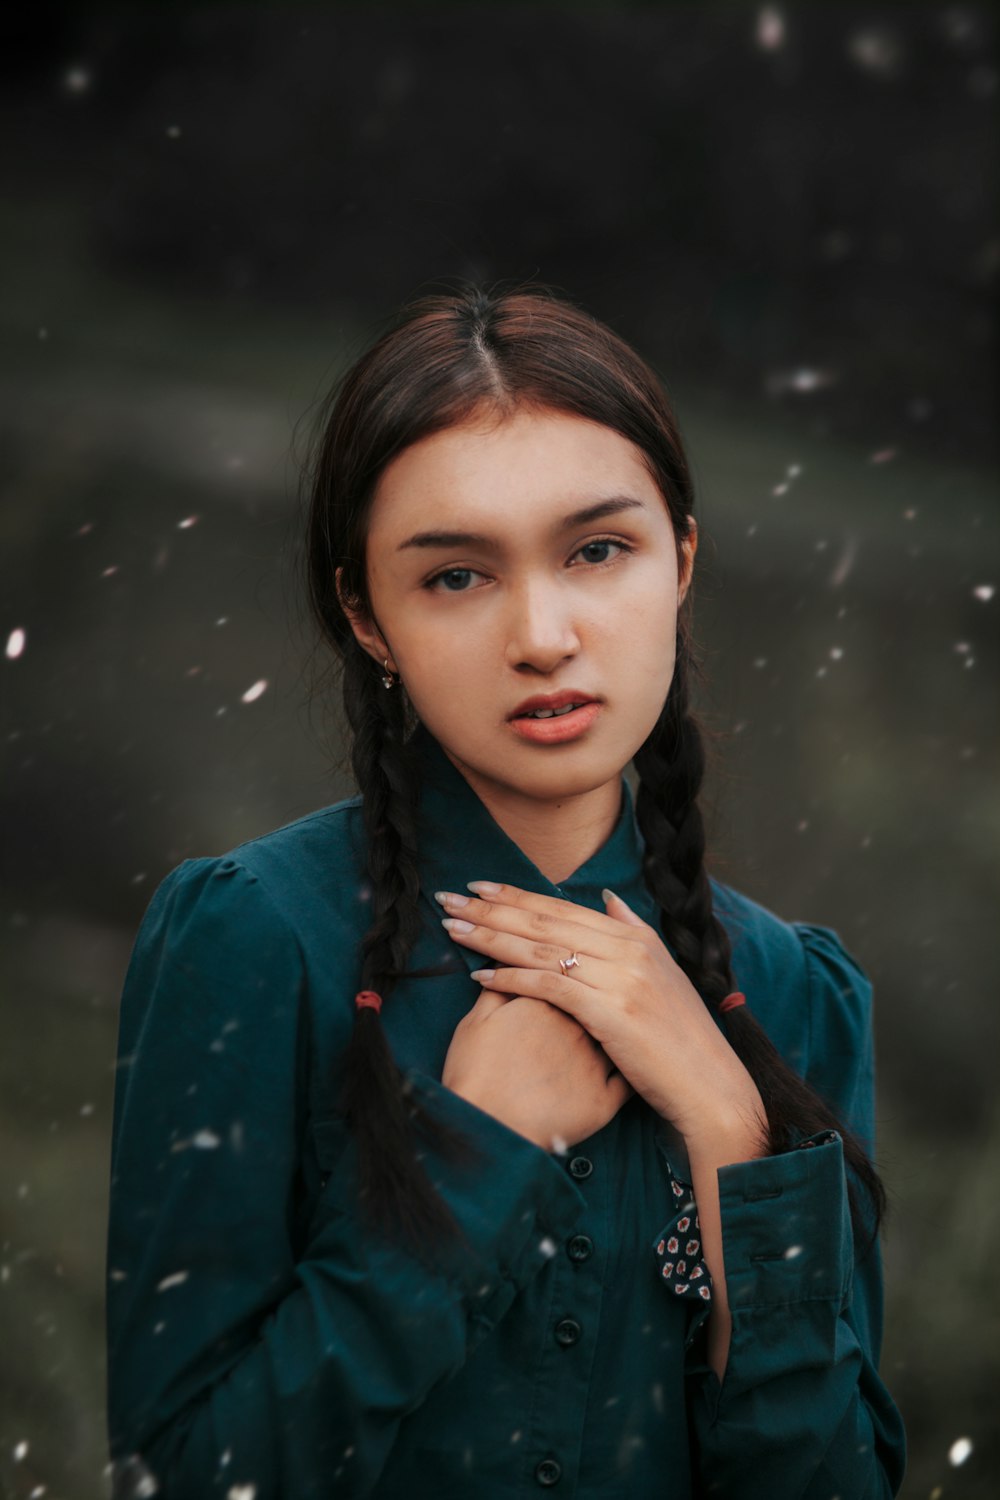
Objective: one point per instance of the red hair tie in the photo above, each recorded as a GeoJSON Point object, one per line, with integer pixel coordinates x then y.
{"type": "Point", "coordinates": [731, 1002]}
{"type": "Point", "coordinates": [368, 1000]}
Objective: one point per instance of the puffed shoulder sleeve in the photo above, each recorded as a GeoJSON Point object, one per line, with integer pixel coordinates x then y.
{"type": "Point", "coordinates": [802, 1411]}
{"type": "Point", "coordinates": [237, 1358]}
{"type": "Point", "coordinates": [841, 1044]}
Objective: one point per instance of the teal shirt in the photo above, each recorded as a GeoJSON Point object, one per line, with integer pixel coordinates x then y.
{"type": "Point", "coordinates": [258, 1337]}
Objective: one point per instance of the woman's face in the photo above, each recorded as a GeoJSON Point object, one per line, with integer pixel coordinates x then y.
{"type": "Point", "coordinates": [490, 584]}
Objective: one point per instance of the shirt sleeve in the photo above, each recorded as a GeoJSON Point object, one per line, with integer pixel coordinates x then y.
{"type": "Point", "coordinates": [801, 1412]}
{"type": "Point", "coordinates": [233, 1363]}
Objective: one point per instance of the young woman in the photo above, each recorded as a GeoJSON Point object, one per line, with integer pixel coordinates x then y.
{"type": "Point", "coordinates": [470, 1139]}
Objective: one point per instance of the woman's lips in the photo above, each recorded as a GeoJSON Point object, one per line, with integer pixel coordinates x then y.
{"type": "Point", "coordinates": [560, 727]}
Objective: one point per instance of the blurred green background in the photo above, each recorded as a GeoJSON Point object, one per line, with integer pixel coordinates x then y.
{"type": "Point", "coordinates": [791, 210]}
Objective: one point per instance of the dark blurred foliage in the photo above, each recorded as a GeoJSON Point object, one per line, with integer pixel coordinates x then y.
{"type": "Point", "coordinates": [792, 211]}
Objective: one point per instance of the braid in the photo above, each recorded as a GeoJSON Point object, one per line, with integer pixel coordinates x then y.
{"type": "Point", "coordinates": [376, 1100]}
{"type": "Point", "coordinates": [670, 765]}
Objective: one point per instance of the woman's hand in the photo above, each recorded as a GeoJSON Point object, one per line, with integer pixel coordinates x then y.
{"type": "Point", "coordinates": [535, 1069]}
{"type": "Point", "coordinates": [625, 989]}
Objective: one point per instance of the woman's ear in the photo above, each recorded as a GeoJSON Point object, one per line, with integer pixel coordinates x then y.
{"type": "Point", "coordinates": [689, 547]}
{"type": "Point", "coordinates": [365, 632]}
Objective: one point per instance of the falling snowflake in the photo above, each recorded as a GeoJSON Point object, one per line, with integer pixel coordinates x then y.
{"type": "Point", "coordinates": [253, 693]}
{"type": "Point", "coordinates": [984, 592]}
{"type": "Point", "coordinates": [770, 29]}
{"type": "Point", "coordinates": [16, 643]}
{"type": "Point", "coordinates": [177, 1278]}
{"type": "Point", "coordinates": [959, 1451]}
{"type": "Point", "coordinates": [187, 523]}
{"type": "Point", "coordinates": [76, 80]}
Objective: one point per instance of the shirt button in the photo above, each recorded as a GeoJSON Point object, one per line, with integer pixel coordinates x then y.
{"type": "Point", "coordinates": [548, 1471]}
{"type": "Point", "coordinates": [568, 1332]}
{"type": "Point", "coordinates": [581, 1166]}
{"type": "Point", "coordinates": [580, 1247]}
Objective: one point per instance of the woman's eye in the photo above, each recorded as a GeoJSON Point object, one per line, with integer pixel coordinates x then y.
{"type": "Point", "coordinates": [452, 581]}
{"type": "Point", "coordinates": [588, 550]}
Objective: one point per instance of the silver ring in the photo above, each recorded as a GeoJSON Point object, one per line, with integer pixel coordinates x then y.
{"type": "Point", "coordinates": [572, 962]}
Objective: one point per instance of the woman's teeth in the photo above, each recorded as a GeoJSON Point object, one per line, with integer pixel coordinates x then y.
{"type": "Point", "coordinates": [552, 713]}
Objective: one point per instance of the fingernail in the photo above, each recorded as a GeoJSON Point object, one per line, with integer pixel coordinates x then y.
{"type": "Point", "coordinates": [608, 894]}
{"type": "Point", "coordinates": [449, 898]}
{"type": "Point", "coordinates": [455, 924]}
{"type": "Point", "coordinates": [484, 974]}
{"type": "Point", "coordinates": [484, 887]}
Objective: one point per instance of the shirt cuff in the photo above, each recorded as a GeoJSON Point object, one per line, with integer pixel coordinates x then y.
{"type": "Point", "coordinates": [786, 1226]}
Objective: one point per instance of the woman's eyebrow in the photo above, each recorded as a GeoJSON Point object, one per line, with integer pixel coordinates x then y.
{"type": "Point", "coordinates": [595, 512]}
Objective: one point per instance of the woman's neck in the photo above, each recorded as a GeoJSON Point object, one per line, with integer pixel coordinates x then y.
{"type": "Point", "coordinates": [557, 836]}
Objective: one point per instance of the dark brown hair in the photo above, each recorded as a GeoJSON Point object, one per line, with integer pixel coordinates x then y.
{"type": "Point", "coordinates": [448, 356]}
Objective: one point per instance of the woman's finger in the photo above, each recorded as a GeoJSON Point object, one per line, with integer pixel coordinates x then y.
{"type": "Point", "coordinates": [502, 949]}
{"type": "Point", "coordinates": [548, 906]}
{"type": "Point", "coordinates": [575, 998]}
{"type": "Point", "coordinates": [562, 935]}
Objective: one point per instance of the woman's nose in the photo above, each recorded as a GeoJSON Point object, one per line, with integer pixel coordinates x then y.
{"type": "Point", "coordinates": [541, 631]}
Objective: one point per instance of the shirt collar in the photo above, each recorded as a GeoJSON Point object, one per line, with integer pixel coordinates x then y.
{"type": "Point", "coordinates": [459, 841]}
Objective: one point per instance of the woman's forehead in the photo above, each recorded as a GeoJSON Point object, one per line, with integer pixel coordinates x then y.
{"type": "Point", "coordinates": [534, 461]}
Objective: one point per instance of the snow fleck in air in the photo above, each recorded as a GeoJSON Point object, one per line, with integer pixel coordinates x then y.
{"type": "Point", "coordinates": [177, 1278]}
{"type": "Point", "coordinates": [111, 571]}
{"type": "Point", "coordinates": [516, 1436]}
{"type": "Point", "coordinates": [793, 471]}
{"type": "Point", "coordinates": [22, 1191]}
{"type": "Point", "coordinates": [959, 1451]}
{"type": "Point", "coordinates": [793, 1252]}
{"type": "Point", "coordinates": [115, 1275]}
{"type": "Point", "coordinates": [86, 1109]}
{"type": "Point", "coordinates": [253, 693]}
{"type": "Point", "coordinates": [15, 643]}
{"type": "Point", "coordinates": [547, 1246]}
{"type": "Point", "coordinates": [85, 529]}
{"type": "Point", "coordinates": [962, 647]}
{"type": "Point", "coordinates": [43, 334]}
{"type": "Point", "coordinates": [241, 1492]}
{"type": "Point", "coordinates": [187, 523]}
{"type": "Point", "coordinates": [234, 461]}
{"type": "Point", "coordinates": [984, 592]}
{"type": "Point", "coordinates": [158, 1327]}
{"type": "Point", "coordinates": [222, 620]}
{"type": "Point", "coordinates": [205, 1140]}
{"type": "Point", "coordinates": [780, 489]}
{"type": "Point", "coordinates": [752, 530]}
{"type": "Point", "coordinates": [800, 381]}
{"type": "Point", "coordinates": [220, 711]}
{"type": "Point", "coordinates": [802, 826]}
{"type": "Point", "coordinates": [236, 1136]}
{"type": "Point", "coordinates": [883, 456]}
{"type": "Point", "coordinates": [770, 32]}
{"type": "Point", "coordinates": [37, 1492]}
{"type": "Point", "coordinates": [173, 132]}
{"type": "Point", "coordinates": [876, 49]}
{"type": "Point", "coordinates": [836, 653]}
{"type": "Point", "coordinates": [21, 1451]}
{"type": "Point", "coordinates": [4, 1273]}
{"type": "Point", "coordinates": [760, 661]}
{"type": "Point", "coordinates": [910, 515]}
{"type": "Point", "coordinates": [76, 80]}
{"type": "Point", "coordinates": [225, 1458]}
